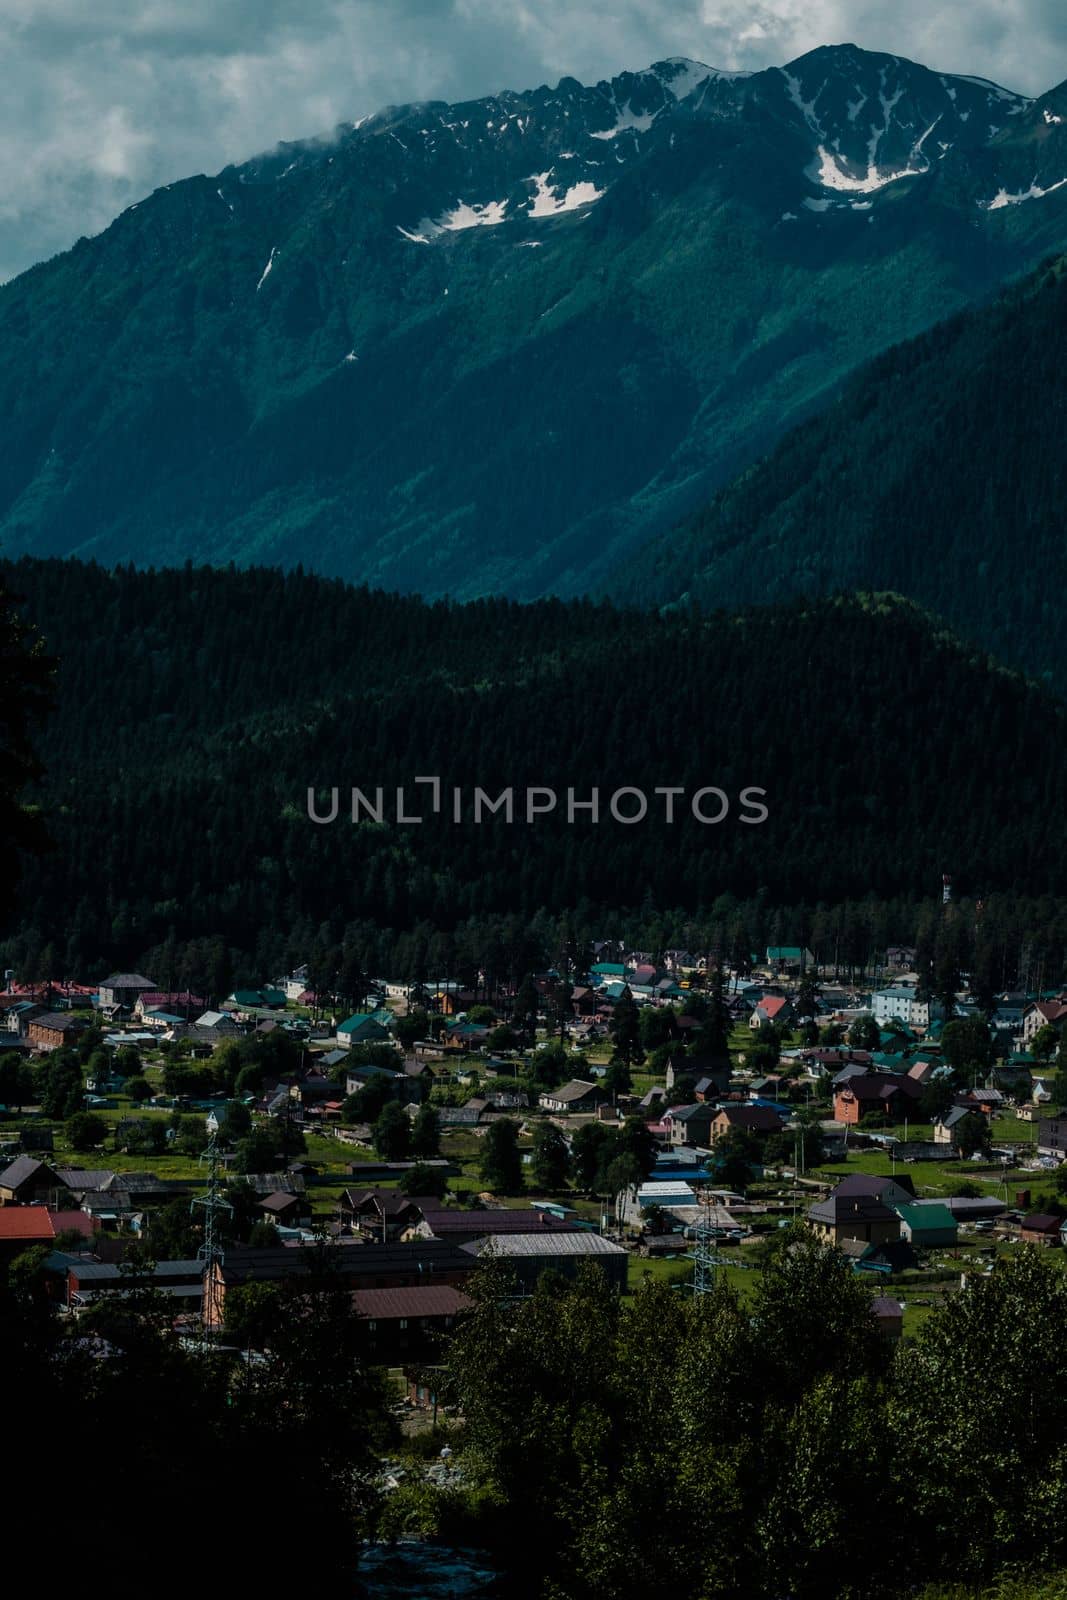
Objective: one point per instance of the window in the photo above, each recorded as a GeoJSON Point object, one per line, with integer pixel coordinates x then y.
{"type": "Point", "coordinates": [403, 1322]}
{"type": "Point", "coordinates": [372, 1326]}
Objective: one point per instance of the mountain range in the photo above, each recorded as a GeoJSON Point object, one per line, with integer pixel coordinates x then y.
{"type": "Point", "coordinates": [507, 346]}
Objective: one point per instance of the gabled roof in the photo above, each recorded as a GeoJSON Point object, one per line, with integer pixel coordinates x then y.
{"type": "Point", "coordinates": [772, 1005]}
{"type": "Point", "coordinates": [127, 980]}
{"type": "Point", "coordinates": [839, 1208]}
{"type": "Point", "coordinates": [864, 1183]}
{"type": "Point", "coordinates": [442, 1221]}
{"type": "Point", "coordinates": [577, 1089]}
{"type": "Point", "coordinates": [416, 1300]}
{"type": "Point", "coordinates": [23, 1169]}
{"type": "Point", "coordinates": [26, 1222]}
{"type": "Point", "coordinates": [880, 1086]}
{"type": "Point", "coordinates": [759, 1118]}
{"type": "Point", "coordinates": [1041, 1222]}
{"type": "Point", "coordinates": [923, 1219]}
{"type": "Point", "coordinates": [360, 1019]}
{"type": "Point", "coordinates": [546, 1242]}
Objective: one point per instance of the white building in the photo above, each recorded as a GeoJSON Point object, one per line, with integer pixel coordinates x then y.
{"type": "Point", "coordinates": [900, 1003]}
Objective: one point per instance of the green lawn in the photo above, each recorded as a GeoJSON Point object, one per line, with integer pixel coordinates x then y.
{"type": "Point", "coordinates": [930, 1177]}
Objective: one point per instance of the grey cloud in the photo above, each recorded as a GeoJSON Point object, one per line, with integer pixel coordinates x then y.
{"type": "Point", "coordinates": [105, 101]}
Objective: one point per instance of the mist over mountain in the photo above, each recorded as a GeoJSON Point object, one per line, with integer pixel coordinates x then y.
{"type": "Point", "coordinates": [496, 346]}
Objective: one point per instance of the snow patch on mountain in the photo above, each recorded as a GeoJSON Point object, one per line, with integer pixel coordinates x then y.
{"type": "Point", "coordinates": [547, 203]}
{"type": "Point", "coordinates": [805, 107]}
{"type": "Point", "coordinates": [682, 77]}
{"type": "Point", "coordinates": [627, 121]}
{"type": "Point", "coordinates": [1019, 102]}
{"type": "Point", "coordinates": [461, 217]}
{"type": "Point", "coordinates": [265, 274]}
{"type": "Point", "coordinates": [827, 172]}
{"type": "Point", "coordinates": [1035, 192]}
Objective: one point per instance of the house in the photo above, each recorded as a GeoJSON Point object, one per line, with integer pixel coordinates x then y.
{"type": "Point", "coordinates": [889, 1315]}
{"type": "Point", "coordinates": [462, 1227]}
{"type": "Point", "coordinates": [181, 1281]}
{"type": "Point", "coordinates": [859, 1217]}
{"type": "Point", "coordinates": [772, 1008]}
{"type": "Point", "coordinates": [900, 1003]}
{"type": "Point", "coordinates": [1040, 1228]}
{"type": "Point", "coordinates": [872, 1091]}
{"type": "Point", "coordinates": [24, 1226]}
{"type": "Point", "coordinates": [602, 972]}
{"type": "Point", "coordinates": [369, 1266]}
{"type": "Point", "coordinates": [468, 1116]}
{"type": "Point", "coordinates": [382, 1214]}
{"type": "Point", "coordinates": [793, 957]}
{"type": "Point", "coordinates": [178, 1003]}
{"type": "Point", "coordinates": [268, 999]}
{"type": "Point", "coordinates": [987, 1101]}
{"type": "Point", "coordinates": [689, 1125]}
{"type": "Point", "coordinates": [753, 1119]}
{"type": "Point", "coordinates": [363, 1028]}
{"type": "Point", "coordinates": [528, 1255]}
{"type": "Point", "coordinates": [18, 1014]}
{"type": "Point", "coordinates": [578, 1095]}
{"type": "Point", "coordinates": [287, 1210]}
{"type": "Point", "coordinates": [701, 1069]}
{"type": "Point", "coordinates": [1040, 1014]}
{"type": "Point", "coordinates": [29, 1182]}
{"type": "Point", "coordinates": [124, 989]}
{"type": "Point", "coordinates": [54, 1029]}
{"type": "Point", "coordinates": [892, 1192]}
{"type": "Point", "coordinates": [217, 1118]}
{"type": "Point", "coordinates": [218, 1025]}
{"type": "Point", "coordinates": [926, 1227]}
{"type": "Point", "coordinates": [945, 1126]}
{"type": "Point", "coordinates": [406, 1324]}
{"type": "Point", "coordinates": [901, 956]}
{"type": "Point", "coordinates": [466, 1036]}
{"type": "Point", "coordinates": [1052, 1136]}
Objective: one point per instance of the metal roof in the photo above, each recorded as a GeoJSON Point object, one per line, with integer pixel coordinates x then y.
{"type": "Point", "coordinates": [417, 1300]}
{"type": "Point", "coordinates": [549, 1243]}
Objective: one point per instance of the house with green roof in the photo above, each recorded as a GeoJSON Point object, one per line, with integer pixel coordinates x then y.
{"type": "Point", "coordinates": [252, 999]}
{"type": "Point", "coordinates": [789, 955]}
{"type": "Point", "coordinates": [607, 969]}
{"type": "Point", "coordinates": [363, 1028]}
{"type": "Point", "coordinates": [927, 1226]}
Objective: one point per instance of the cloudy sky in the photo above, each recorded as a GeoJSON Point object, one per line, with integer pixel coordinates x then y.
{"type": "Point", "coordinates": [104, 100]}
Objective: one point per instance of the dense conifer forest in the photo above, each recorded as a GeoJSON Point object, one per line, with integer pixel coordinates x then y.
{"type": "Point", "coordinates": [195, 707]}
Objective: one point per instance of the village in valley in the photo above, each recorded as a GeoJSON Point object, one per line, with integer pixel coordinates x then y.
{"type": "Point", "coordinates": [649, 1114]}
{"type": "Point", "coordinates": [364, 1202]}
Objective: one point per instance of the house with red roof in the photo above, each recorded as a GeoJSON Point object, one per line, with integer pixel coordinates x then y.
{"type": "Point", "coordinates": [772, 1008]}
{"type": "Point", "coordinates": [22, 1227]}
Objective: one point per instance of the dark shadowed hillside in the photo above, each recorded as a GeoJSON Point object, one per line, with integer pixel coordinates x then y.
{"type": "Point", "coordinates": [941, 473]}
{"type": "Point", "coordinates": [197, 706]}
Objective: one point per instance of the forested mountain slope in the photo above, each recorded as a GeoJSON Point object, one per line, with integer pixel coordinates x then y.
{"type": "Point", "coordinates": [940, 472]}
{"type": "Point", "coordinates": [197, 706]}
{"type": "Point", "coordinates": [491, 347]}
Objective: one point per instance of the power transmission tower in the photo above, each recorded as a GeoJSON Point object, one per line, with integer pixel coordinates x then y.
{"type": "Point", "coordinates": [213, 1203]}
{"type": "Point", "coordinates": [705, 1252]}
